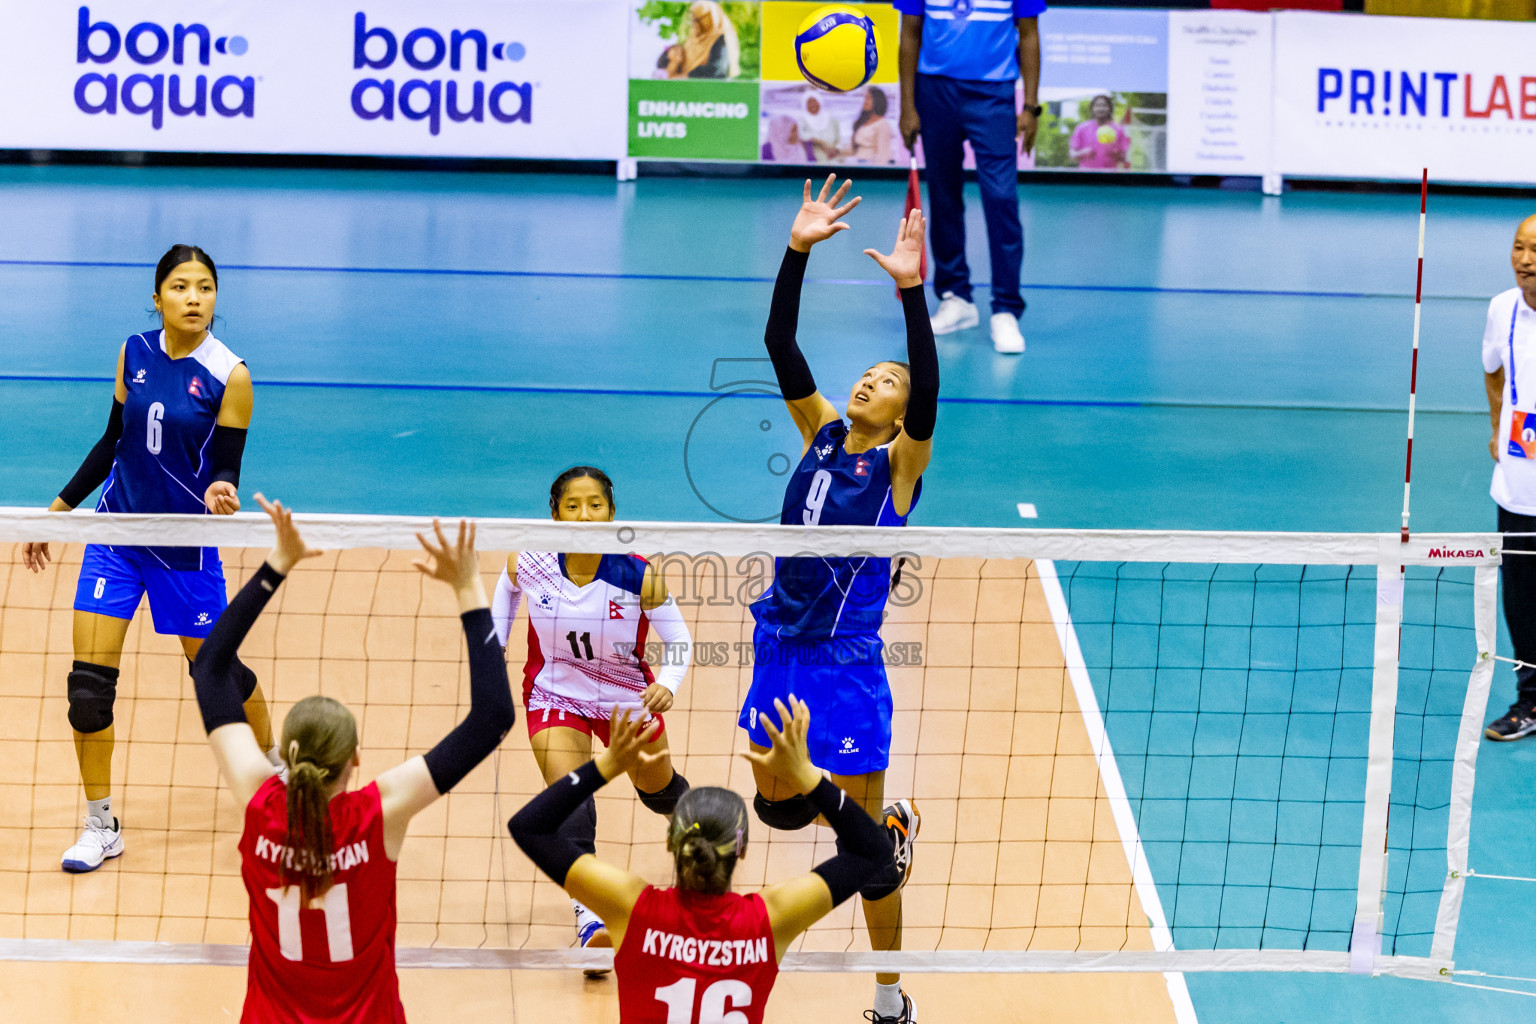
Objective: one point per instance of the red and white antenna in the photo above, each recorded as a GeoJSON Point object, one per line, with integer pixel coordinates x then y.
{"type": "Point", "coordinates": [1413, 379]}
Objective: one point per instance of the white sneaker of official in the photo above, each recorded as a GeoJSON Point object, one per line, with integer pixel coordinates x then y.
{"type": "Point", "coordinates": [96, 844]}
{"type": "Point", "coordinates": [954, 314]}
{"type": "Point", "coordinates": [1006, 336]}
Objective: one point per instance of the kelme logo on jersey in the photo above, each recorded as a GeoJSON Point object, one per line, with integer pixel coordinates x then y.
{"type": "Point", "coordinates": [152, 92]}
{"type": "Point", "coordinates": [459, 52]}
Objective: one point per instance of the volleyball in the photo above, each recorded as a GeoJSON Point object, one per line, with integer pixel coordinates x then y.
{"type": "Point", "coordinates": [837, 48]}
{"type": "Point", "coordinates": [1107, 135]}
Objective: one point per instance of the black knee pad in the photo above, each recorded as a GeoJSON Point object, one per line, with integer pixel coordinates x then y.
{"type": "Point", "coordinates": [580, 829]}
{"type": "Point", "coordinates": [92, 692]}
{"type": "Point", "coordinates": [664, 801]}
{"type": "Point", "coordinates": [886, 883]}
{"type": "Point", "coordinates": [788, 815]}
{"type": "Point", "coordinates": [240, 672]}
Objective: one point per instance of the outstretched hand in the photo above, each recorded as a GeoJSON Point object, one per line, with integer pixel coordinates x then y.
{"type": "Point", "coordinates": [788, 758]}
{"type": "Point", "coordinates": [290, 548]}
{"type": "Point", "coordinates": [819, 219]}
{"type": "Point", "coordinates": [450, 561]}
{"type": "Point", "coordinates": [905, 260]}
{"type": "Point", "coordinates": [627, 738]}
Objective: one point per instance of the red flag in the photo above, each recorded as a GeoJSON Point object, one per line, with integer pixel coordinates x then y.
{"type": "Point", "coordinates": [915, 202]}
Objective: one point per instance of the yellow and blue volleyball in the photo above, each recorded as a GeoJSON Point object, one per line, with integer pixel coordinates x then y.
{"type": "Point", "coordinates": [837, 48]}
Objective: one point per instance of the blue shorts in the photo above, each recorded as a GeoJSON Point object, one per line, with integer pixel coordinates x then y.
{"type": "Point", "coordinates": [843, 682]}
{"type": "Point", "coordinates": [113, 580]}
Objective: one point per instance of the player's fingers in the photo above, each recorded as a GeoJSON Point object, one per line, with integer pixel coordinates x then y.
{"type": "Point", "coordinates": [442, 538]}
{"type": "Point", "coordinates": [313, 552]}
{"type": "Point", "coordinates": [807, 190]}
{"type": "Point", "coordinates": [842, 211]}
{"type": "Point", "coordinates": [471, 536]}
{"type": "Point", "coordinates": [266, 506]}
{"type": "Point", "coordinates": [837, 197]}
{"type": "Point", "coordinates": [769, 727]}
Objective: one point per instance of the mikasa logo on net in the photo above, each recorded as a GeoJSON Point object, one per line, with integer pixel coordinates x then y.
{"type": "Point", "coordinates": [148, 44]}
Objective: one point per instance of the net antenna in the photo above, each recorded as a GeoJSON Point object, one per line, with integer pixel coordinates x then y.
{"type": "Point", "coordinates": [1413, 378]}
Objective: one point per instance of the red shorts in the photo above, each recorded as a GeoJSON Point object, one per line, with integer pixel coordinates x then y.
{"type": "Point", "coordinates": [540, 719]}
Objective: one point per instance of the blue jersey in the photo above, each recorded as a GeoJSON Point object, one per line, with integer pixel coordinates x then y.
{"type": "Point", "coordinates": [161, 461]}
{"type": "Point", "coordinates": [817, 598]}
{"type": "Point", "coordinates": [972, 40]}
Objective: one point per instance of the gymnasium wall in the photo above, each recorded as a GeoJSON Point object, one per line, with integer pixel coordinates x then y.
{"type": "Point", "coordinates": [1193, 91]}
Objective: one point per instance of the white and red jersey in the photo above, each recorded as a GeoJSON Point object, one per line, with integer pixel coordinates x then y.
{"type": "Point", "coordinates": [586, 645]}
{"type": "Point", "coordinates": [688, 956]}
{"type": "Point", "coordinates": [333, 963]}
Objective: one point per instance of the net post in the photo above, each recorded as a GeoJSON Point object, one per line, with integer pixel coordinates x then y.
{"type": "Point", "coordinates": [1365, 942]}
{"type": "Point", "coordinates": [1463, 773]}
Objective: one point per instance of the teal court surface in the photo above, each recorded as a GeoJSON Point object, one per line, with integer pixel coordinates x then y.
{"type": "Point", "coordinates": [446, 343]}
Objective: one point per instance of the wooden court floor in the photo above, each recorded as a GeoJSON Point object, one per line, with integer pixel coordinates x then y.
{"type": "Point", "coordinates": [1018, 849]}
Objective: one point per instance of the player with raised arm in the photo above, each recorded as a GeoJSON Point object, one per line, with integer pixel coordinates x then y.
{"type": "Point", "coordinates": [318, 860]}
{"type": "Point", "coordinates": [818, 627]}
{"type": "Point", "coordinates": [174, 443]}
{"type": "Point", "coordinates": [697, 953]}
{"type": "Point", "coordinates": [590, 618]}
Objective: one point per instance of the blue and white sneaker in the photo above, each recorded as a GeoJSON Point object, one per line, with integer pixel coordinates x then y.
{"type": "Point", "coordinates": [96, 844]}
{"type": "Point", "coordinates": [591, 933]}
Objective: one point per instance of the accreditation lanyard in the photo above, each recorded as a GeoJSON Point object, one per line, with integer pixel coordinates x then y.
{"type": "Point", "coordinates": [1514, 392]}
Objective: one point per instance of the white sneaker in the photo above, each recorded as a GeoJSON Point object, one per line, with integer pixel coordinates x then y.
{"type": "Point", "coordinates": [592, 934]}
{"type": "Point", "coordinates": [954, 314]}
{"type": "Point", "coordinates": [1006, 336]}
{"type": "Point", "coordinates": [96, 844]}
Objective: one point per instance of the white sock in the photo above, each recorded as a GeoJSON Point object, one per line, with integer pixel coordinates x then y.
{"type": "Point", "coordinates": [101, 810]}
{"type": "Point", "coordinates": [888, 1001]}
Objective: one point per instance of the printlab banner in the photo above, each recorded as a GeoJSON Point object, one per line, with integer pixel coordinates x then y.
{"type": "Point", "coordinates": [514, 78]}
{"type": "Point", "coordinates": [1374, 97]}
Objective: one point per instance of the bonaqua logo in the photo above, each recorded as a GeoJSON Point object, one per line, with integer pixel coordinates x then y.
{"type": "Point", "coordinates": [149, 44]}
{"type": "Point", "coordinates": [377, 48]}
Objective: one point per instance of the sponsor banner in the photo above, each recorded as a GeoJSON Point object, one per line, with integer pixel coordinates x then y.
{"type": "Point", "coordinates": [694, 70]}
{"type": "Point", "coordinates": [1104, 86]}
{"type": "Point", "coordinates": [1376, 97]}
{"type": "Point", "coordinates": [1219, 92]}
{"type": "Point", "coordinates": [693, 120]}
{"type": "Point", "coordinates": [516, 78]}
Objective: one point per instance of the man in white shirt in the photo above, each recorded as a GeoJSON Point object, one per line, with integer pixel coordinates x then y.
{"type": "Point", "coordinates": [1509, 374]}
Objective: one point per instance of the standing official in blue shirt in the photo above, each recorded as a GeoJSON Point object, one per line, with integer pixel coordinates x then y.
{"type": "Point", "coordinates": [959, 60]}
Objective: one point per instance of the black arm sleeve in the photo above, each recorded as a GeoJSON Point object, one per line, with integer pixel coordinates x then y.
{"type": "Point", "coordinates": [224, 454]}
{"type": "Point", "coordinates": [789, 365]}
{"type": "Point", "coordinates": [98, 463]}
{"type": "Point", "coordinates": [863, 847]}
{"type": "Point", "coordinates": [491, 713]}
{"type": "Point", "coordinates": [535, 828]}
{"type": "Point", "coordinates": [923, 358]}
{"type": "Point", "coordinates": [218, 693]}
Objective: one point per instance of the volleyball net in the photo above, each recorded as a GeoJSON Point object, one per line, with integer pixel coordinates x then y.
{"type": "Point", "coordinates": [1132, 751]}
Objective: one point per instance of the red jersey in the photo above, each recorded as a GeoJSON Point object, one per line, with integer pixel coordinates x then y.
{"type": "Point", "coordinates": [689, 958]}
{"type": "Point", "coordinates": [333, 963]}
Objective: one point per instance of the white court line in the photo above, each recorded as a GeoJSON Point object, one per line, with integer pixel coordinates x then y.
{"type": "Point", "coordinates": [1114, 786]}
{"type": "Point", "coordinates": [1027, 510]}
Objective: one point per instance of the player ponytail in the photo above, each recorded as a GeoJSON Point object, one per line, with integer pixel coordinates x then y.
{"type": "Point", "coordinates": [319, 739]}
{"type": "Point", "coordinates": [706, 837]}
